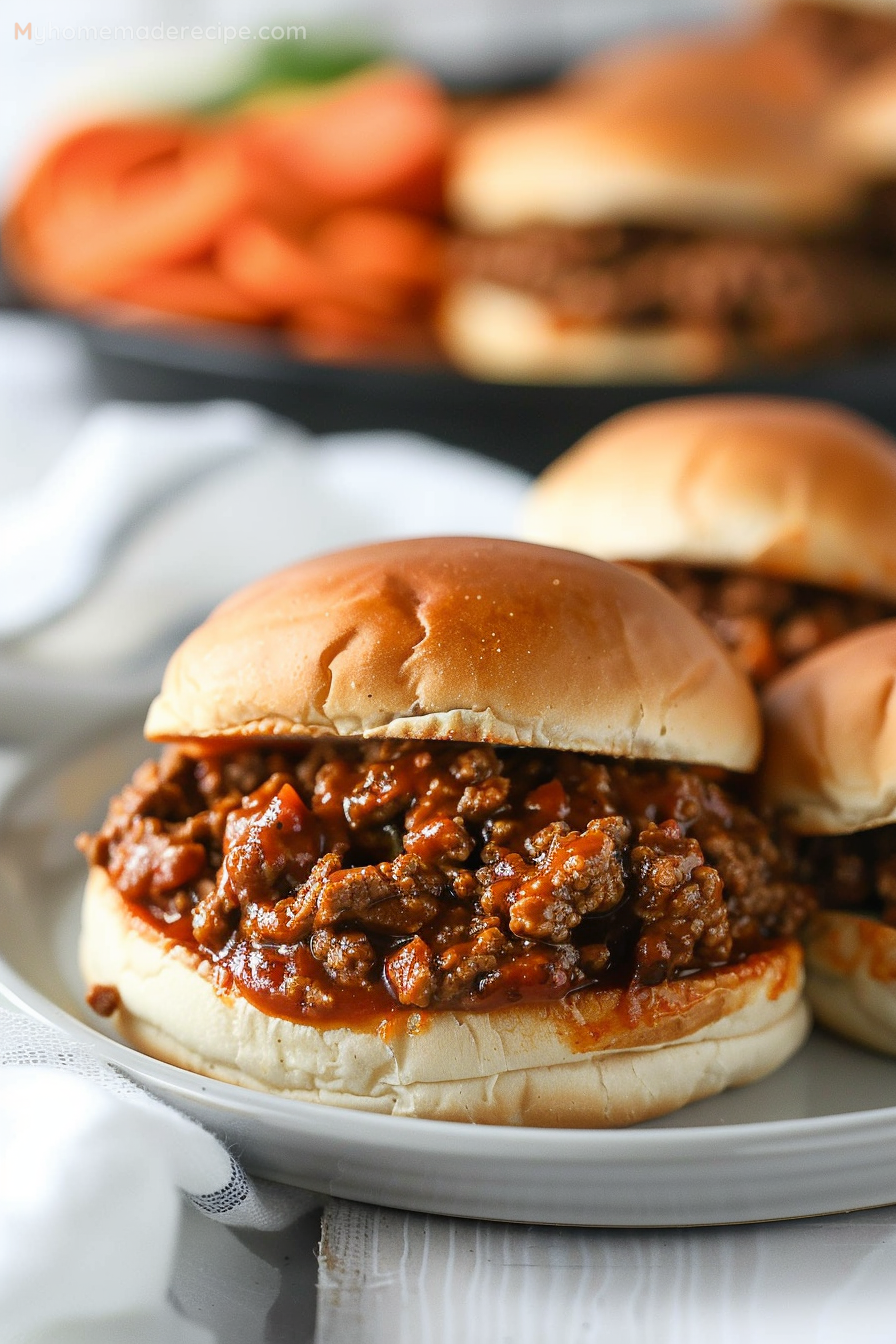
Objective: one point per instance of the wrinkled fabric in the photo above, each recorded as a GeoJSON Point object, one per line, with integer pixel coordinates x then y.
{"type": "Point", "coordinates": [91, 1174]}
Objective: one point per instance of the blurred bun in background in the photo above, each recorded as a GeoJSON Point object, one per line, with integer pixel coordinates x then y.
{"type": "Point", "coordinates": [830, 774]}
{"type": "Point", "coordinates": [682, 206]}
{"type": "Point", "coordinates": [774, 519]}
{"type": "Point", "coordinates": [675, 208]}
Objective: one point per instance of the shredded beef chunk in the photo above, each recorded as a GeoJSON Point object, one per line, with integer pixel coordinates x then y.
{"type": "Point", "coordinates": [349, 875]}
{"type": "Point", "coordinates": [768, 623]}
{"type": "Point", "coordinates": [852, 872]}
{"type": "Point", "coordinates": [571, 874]}
{"type": "Point", "coordinates": [104, 1000]}
{"type": "Point", "coordinates": [680, 901]}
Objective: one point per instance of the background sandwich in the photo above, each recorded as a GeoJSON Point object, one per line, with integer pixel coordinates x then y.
{"type": "Point", "coordinates": [670, 218]}
{"type": "Point", "coordinates": [451, 831]}
{"type": "Point", "coordinates": [773, 519]}
{"type": "Point", "coordinates": [830, 774]}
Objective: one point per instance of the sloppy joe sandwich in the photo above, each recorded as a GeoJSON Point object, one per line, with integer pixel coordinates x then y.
{"type": "Point", "coordinates": [451, 828]}
{"type": "Point", "coordinates": [772, 518]}
{"type": "Point", "coordinates": [655, 226]}
{"type": "Point", "coordinates": [830, 774]}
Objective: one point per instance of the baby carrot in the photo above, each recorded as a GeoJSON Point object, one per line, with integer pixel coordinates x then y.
{"type": "Point", "coordinates": [270, 267]}
{"type": "Point", "coordinates": [377, 137]}
{"type": "Point", "coordinates": [119, 198]}
{"type": "Point", "coordinates": [193, 291]}
{"type": "Point", "coordinates": [385, 246]}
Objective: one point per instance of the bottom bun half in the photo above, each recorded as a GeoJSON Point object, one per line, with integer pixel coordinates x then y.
{"type": "Point", "coordinates": [505, 335]}
{"type": "Point", "coordinates": [598, 1058]}
{"type": "Point", "coordinates": [851, 977]}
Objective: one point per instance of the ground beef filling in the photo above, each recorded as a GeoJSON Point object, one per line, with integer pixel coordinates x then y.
{"type": "Point", "coordinates": [852, 872]}
{"type": "Point", "coordinates": [780, 297]}
{"type": "Point", "coordinates": [768, 623]}
{"type": "Point", "coordinates": [352, 877]}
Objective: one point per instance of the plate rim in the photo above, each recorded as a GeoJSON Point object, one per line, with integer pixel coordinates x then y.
{"type": "Point", "coordinates": [564, 1145]}
{"type": "Point", "coordinates": [573, 1145]}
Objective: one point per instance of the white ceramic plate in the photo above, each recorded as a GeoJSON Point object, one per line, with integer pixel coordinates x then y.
{"type": "Point", "coordinates": [817, 1137]}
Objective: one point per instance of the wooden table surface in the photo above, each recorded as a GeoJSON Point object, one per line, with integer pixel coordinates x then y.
{"type": "Point", "coordinates": [390, 1278]}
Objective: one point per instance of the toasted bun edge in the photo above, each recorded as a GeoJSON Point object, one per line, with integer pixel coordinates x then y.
{"type": "Point", "coordinates": [830, 760]}
{"type": "Point", "coordinates": [851, 977]}
{"type": "Point", "coordinates": [463, 639]}
{"type": "Point", "coordinates": [798, 489]}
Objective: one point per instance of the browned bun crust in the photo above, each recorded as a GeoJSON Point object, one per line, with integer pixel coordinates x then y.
{"type": "Point", "coordinates": [861, 122]}
{"type": "Point", "coordinates": [462, 639]}
{"type": "Point", "coordinates": [882, 7]}
{"type": "Point", "coordinates": [802, 490]}
{"type": "Point", "coordinates": [596, 1058]}
{"type": "Point", "coordinates": [761, 65]}
{"type": "Point", "coordinates": [830, 766]}
{"type": "Point", "coordinates": [504, 335]}
{"type": "Point", "coordinates": [851, 977]}
{"type": "Point", "coordinates": [634, 152]}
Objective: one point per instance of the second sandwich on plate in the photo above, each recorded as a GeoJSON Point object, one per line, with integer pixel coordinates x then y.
{"type": "Point", "coordinates": [457, 829]}
{"type": "Point", "coordinates": [830, 775]}
{"type": "Point", "coordinates": [773, 519]}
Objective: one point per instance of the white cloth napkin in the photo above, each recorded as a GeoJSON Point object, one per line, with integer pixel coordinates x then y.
{"type": "Point", "coordinates": [120, 466]}
{"type": "Point", "coordinates": [127, 461]}
{"type": "Point", "coordinates": [91, 1170]}
{"type": "Point", "coordinates": [154, 513]}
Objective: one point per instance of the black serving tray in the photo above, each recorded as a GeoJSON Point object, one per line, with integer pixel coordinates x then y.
{"type": "Point", "coordinates": [525, 424]}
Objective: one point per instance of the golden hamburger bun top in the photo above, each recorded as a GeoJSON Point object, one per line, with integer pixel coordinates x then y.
{"type": "Point", "coordinates": [798, 489]}
{"type": "Point", "coordinates": [635, 152]}
{"type": "Point", "coordinates": [830, 765]}
{"type": "Point", "coordinates": [747, 63]}
{"type": "Point", "coordinates": [462, 639]}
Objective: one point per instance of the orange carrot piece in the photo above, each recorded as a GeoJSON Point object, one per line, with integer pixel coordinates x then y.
{"type": "Point", "coordinates": [118, 199]}
{"type": "Point", "coordinates": [193, 291]}
{"type": "Point", "coordinates": [64, 168]}
{"type": "Point", "coordinates": [381, 246]}
{"type": "Point", "coordinates": [378, 136]}
{"type": "Point", "coordinates": [273, 194]}
{"type": "Point", "coordinates": [338, 318]}
{"type": "Point", "coordinates": [248, 222]}
{"type": "Point", "coordinates": [269, 267]}
{"type": "Point", "coordinates": [338, 268]}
